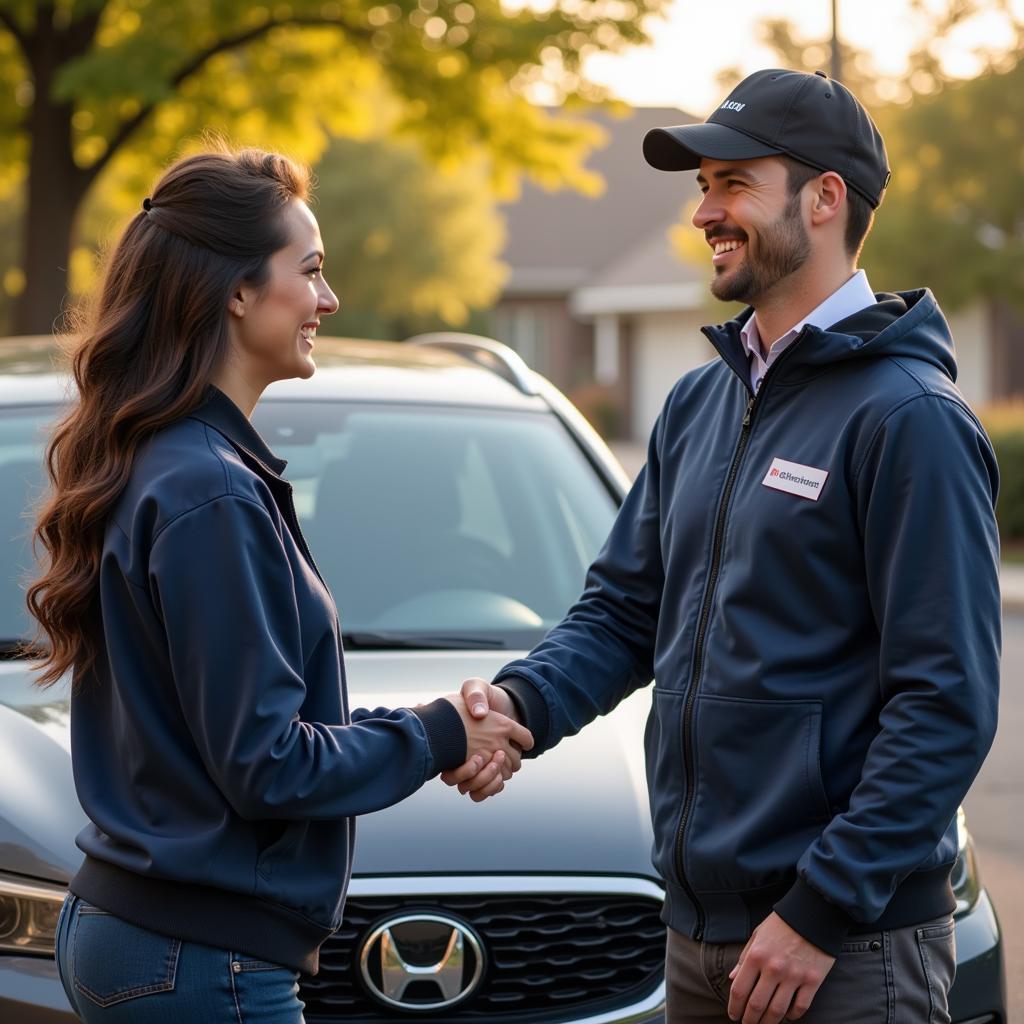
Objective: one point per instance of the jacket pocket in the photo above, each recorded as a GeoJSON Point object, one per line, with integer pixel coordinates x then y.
{"type": "Point", "coordinates": [760, 800]}
{"type": "Point", "coordinates": [114, 961]}
{"type": "Point", "coordinates": [666, 775]}
{"type": "Point", "coordinates": [288, 836]}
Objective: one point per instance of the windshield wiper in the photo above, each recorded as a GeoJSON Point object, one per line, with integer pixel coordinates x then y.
{"type": "Point", "coordinates": [365, 640]}
{"type": "Point", "coordinates": [13, 650]}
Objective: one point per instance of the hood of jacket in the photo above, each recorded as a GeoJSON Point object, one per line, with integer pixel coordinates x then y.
{"type": "Point", "coordinates": [906, 325]}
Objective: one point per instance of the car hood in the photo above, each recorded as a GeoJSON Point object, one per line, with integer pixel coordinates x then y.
{"type": "Point", "coordinates": [581, 808]}
{"type": "Point", "coordinates": [39, 812]}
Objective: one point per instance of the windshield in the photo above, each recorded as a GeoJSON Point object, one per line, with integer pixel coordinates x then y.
{"type": "Point", "coordinates": [433, 526]}
{"type": "Point", "coordinates": [439, 525]}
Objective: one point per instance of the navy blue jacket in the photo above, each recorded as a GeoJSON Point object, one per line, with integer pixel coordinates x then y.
{"type": "Point", "coordinates": [827, 667]}
{"type": "Point", "coordinates": [213, 749]}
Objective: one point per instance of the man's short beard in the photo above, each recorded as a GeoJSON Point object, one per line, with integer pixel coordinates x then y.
{"type": "Point", "coordinates": [782, 249]}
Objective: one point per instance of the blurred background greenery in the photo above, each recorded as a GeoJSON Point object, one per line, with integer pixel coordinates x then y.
{"type": "Point", "coordinates": [424, 120]}
{"type": "Point", "coordinates": [1004, 422]}
{"type": "Point", "coordinates": [430, 96]}
{"type": "Point", "coordinates": [419, 120]}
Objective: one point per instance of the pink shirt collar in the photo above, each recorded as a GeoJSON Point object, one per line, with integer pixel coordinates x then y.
{"type": "Point", "coordinates": [849, 298]}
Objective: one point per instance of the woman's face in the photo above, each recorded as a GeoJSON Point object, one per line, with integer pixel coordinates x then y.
{"type": "Point", "coordinates": [273, 328]}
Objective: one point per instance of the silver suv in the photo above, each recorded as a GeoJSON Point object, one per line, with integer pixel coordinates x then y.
{"type": "Point", "coordinates": [453, 500]}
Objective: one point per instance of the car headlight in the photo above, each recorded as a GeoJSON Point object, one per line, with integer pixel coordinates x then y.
{"type": "Point", "coordinates": [964, 879]}
{"type": "Point", "coordinates": [28, 915]}
{"type": "Point", "coordinates": [961, 831]}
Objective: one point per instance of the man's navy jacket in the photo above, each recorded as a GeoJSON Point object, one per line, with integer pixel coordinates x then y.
{"type": "Point", "coordinates": [811, 576]}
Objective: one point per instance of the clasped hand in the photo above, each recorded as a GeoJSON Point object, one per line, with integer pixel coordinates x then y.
{"type": "Point", "coordinates": [495, 740]}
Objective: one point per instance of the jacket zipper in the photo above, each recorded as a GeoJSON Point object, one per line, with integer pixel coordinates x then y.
{"type": "Point", "coordinates": [717, 541]}
{"type": "Point", "coordinates": [294, 523]}
{"type": "Point", "coordinates": [300, 537]}
{"type": "Point", "coordinates": [304, 548]}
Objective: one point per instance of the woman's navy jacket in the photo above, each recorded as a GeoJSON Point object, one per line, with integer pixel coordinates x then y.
{"type": "Point", "coordinates": [212, 745]}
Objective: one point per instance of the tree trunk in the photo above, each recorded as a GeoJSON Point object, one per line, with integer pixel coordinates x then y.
{"type": "Point", "coordinates": [55, 188]}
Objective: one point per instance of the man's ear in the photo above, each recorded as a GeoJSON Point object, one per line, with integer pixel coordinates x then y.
{"type": "Point", "coordinates": [828, 198]}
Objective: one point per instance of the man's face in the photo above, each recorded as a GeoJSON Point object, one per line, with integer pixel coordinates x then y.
{"type": "Point", "coordinates": [754, 227]}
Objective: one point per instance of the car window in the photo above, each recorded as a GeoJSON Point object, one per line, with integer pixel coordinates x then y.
{"type": "Point", "coordinates": [433, 520]}
{"type": "Point", "coordinates": [424, 520]}
{"type": "Point", "coordinates": [23, 436]}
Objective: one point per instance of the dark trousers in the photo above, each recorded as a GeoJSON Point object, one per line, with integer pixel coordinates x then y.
{"type": "Point", "coordinates": [901, 976]}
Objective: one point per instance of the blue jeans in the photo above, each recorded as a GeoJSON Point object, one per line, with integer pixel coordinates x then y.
{"type": "Point", "coordinates": [117, 973]}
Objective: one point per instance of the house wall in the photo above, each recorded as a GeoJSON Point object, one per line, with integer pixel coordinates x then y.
{"type": "Point", "coordinates": [972, 330]}
{"type": "Point", "coordinates": [542, 330]}
{"type": "Point", "coordinates": [664, 346]}
{"type": "Point", "coordinates": [1007, 327]}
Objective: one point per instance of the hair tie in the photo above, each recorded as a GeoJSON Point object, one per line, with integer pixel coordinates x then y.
{"type": "Point", "coordinates": [147, 204]}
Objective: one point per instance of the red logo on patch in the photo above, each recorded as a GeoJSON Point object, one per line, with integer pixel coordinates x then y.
{"type": "Point", "coordinates": [774, 472]}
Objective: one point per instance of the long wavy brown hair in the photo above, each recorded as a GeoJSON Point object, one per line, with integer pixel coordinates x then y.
{"type": "Point", "coordinates": [150, 345]}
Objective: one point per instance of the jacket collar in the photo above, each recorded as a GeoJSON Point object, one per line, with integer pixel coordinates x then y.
{"type": "Point", "coordinates": [729, 345]}
{"type": "Point", "coordinates": [908, 324]}
{"type": "Point", "coordinates": [219, 412]}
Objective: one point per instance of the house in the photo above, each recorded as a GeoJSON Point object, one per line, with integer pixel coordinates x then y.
{"type": "Point", "coordinates": [598, 300]}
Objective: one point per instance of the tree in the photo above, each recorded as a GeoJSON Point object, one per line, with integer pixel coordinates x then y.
{"type": "Point", "coordinates": [939, 23]}
{"type": "Point", "coordinates": [953, 215]}
{"type": "Point", "coordinates": [409, 247]}
{"type": "Point", "coordinates": [109, 88]}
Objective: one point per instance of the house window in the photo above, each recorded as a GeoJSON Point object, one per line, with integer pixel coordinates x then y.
{"type": "Point", "coordinates": [523, 329]}
{"type": "Point", "coordinates": [606, 348]}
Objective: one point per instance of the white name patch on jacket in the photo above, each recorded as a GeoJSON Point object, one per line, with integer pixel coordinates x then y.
{"type": "Point", "coordinates": [791, 477]}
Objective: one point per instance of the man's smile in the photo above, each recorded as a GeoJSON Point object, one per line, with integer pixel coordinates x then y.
{"type": "Point", "coordinates": [724, 248]}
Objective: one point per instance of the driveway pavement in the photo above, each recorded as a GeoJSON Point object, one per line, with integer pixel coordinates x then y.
{"type": "Point", "coordinates": [1011, 581]}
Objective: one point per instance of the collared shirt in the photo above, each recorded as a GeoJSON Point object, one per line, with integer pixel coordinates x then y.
{"type": "Point", "coordinates": [847, 299]}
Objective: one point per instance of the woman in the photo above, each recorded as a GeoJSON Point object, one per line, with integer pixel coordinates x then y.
{"type": "Point", "coordinates": [213, 749]}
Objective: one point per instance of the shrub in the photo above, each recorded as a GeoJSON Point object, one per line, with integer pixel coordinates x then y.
{"type": "Point", "coordinates": [601, 405]}
{"type": "Point", "coordinates": [1005, 426]}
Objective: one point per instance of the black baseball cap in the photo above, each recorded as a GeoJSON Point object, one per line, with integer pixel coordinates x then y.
{"type": "Point", "coordinates": [811, 118]}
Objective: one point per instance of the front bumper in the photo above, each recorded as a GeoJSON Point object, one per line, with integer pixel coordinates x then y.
{"type": "Point", "coordinates": [978, 995]}
{"type": "Point", "coordinates": [31, 992]}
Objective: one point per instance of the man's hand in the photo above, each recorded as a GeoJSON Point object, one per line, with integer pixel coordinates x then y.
{"type": "Point", "coordinates": [478, 777]}
{"type": "Point", "coordinates": [494, 743]}
{"type": "Point", "coordinates": [482, 696]}
{"type": "Point", "coordinates": [778, 974]}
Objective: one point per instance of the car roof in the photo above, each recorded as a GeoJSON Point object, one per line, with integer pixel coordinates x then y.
{"type": "Point", "coordinates": [32, 370]}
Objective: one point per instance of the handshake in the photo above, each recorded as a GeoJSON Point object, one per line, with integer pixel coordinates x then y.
{"type": "Point", "coordinates": [495, 740]}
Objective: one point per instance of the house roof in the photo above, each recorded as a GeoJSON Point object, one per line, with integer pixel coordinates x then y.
{"type": "Point", "coordinates": [562, 241]}
{"type": "Point", "coordinates": [646, 278]}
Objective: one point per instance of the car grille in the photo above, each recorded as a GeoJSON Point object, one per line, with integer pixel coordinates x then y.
{"type": "Point", "coordinates": [548, 956]}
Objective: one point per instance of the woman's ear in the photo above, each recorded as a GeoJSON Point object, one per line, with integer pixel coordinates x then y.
{"type": "Point", "coordinates": [236, 304]}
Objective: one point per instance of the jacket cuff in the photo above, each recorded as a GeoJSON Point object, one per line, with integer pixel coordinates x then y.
{"type": "Point", "coordinates": [820, 922]}
{"type": "Point", "coordinates": [531, 709]}
{"type": "Point", "coordinates": [445, 733]}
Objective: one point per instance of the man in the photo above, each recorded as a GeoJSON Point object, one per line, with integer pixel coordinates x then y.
{"type": "Point", "coordinates": [808, 565]}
